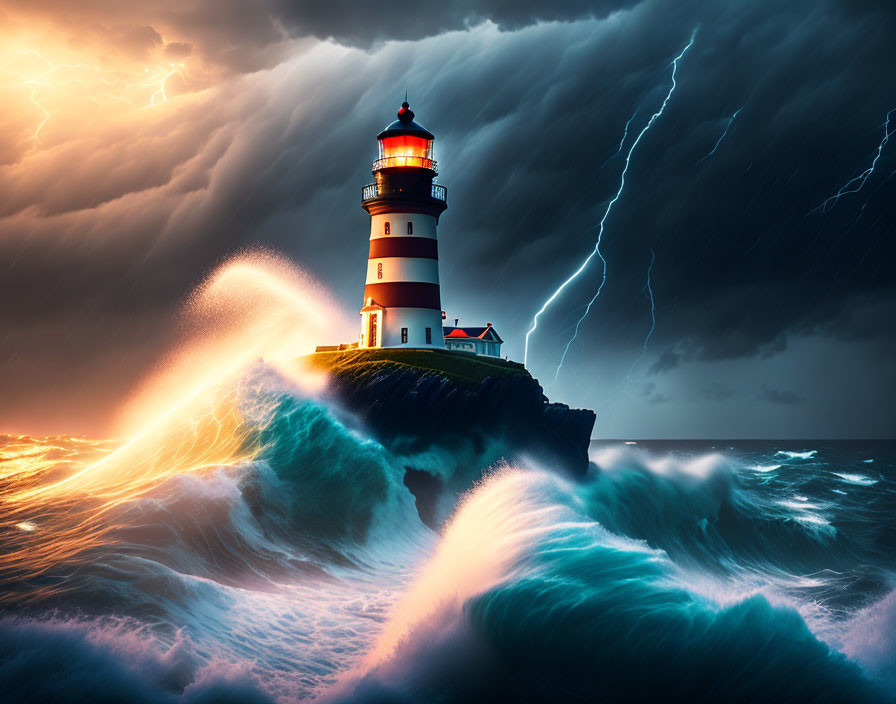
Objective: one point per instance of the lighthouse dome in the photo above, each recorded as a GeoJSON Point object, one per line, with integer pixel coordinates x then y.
{"type": "Point", "coordinates": [405, 125]}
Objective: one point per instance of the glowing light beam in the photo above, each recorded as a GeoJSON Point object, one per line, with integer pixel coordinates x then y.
{"type": "Point", "coordinates": [724, 134]}
{"type": "Point", "coordinates": [596, 251]}
{"type": "Point", "coordinates": [863, 177]}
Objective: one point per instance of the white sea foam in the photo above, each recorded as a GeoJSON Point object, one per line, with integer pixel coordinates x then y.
{"type": "Point", "coordinates": [766, 467]}
{"type": "Point", "coordinates": [796, 455]}
{"type": "Point", "coordinates": [869, 640]}
{"type": "Point", "coordinates": [801, 504]}
{"type": "Point", "coordinates": [860, 479]}
{"type": "Point", "coordinates": [816, 521]}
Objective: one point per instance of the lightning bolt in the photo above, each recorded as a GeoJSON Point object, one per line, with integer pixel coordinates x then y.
{"type": "Point", "coordinates": [649, 290]}
{"type": "Point", "coordinates": [36, 82]}
{"type": "Point", "coordinates": [621, 141]}
{"type": "Point", "coordinates": [36, 136]}
{"type": "Point", "coordinates": [40, 80]}
{"type": "Point", "coordinates": [596, 251]}
{"type": "Point", "coordinates": [724, 134]}
{"type": "Point", "coordinates": [863, 177]}
{"type": "Point", "coordinates": [175, 68]}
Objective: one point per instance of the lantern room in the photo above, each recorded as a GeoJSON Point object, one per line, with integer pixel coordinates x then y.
{"type": "Point", "coordinates": [405, 143]}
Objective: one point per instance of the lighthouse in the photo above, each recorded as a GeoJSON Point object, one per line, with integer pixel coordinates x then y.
{"type": "Point", "coordinates": [402, 305]}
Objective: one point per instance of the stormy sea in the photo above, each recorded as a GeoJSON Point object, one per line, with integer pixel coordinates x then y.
{"type": "Point", "coordinates": [265, 547]}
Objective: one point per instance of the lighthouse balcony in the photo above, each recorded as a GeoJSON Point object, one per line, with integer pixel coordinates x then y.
{"type": "Point", "coordinates": [397, 161]}
{"type": "Point", "coordinates": [372, 191]}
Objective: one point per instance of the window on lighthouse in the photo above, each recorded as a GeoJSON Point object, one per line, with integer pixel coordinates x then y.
{"type": "Point", "coordinates": [406, 150]}
{"type": "Point", "coordinates": [387, 228]}
{"type": "Point", "coordinates": [379, 270]}
{"type": "Point", "coordinates": [410, 228]}
{"type": "Point", "coordinates": [404, 335]}
{"type": "Point", "coordinates": [428, 336]}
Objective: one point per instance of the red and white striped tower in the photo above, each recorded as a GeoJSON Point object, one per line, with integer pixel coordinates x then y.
{"type": "Point", "coordinates": [402, 306]}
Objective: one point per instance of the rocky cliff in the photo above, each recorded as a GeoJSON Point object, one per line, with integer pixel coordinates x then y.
{"type": "Point", "coordinates": [416, 399]}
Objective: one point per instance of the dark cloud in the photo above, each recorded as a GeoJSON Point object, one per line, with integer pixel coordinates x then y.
{"type": "Point", "coordinates": [364, 24]}
{"type": "Point", "coordinates": [716, 392]}
{"type": "Point", "coordinates": [247, 36]}
{"type": "Point", "coordinates": [667, 361]}
{"type": "Point", "coordinates": [781, 396]}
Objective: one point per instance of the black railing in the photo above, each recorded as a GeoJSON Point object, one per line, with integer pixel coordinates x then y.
{"type": "Point", "coordinates": [395, 161]}
{"type": "Point", "coordinates": [371, 191]}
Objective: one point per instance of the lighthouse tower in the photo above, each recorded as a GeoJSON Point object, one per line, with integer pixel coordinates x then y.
{"type": "Point", "coordinates": [402, 306]}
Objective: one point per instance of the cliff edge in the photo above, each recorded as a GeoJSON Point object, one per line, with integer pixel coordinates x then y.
{"type": "Point", "coordinates": [413, 400]}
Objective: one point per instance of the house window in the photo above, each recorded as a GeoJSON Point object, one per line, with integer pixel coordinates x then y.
{"type": "Point", "coordinates": [404, 336]}
{"type": "Point", "coordinates": [428, 336]}
{"type": "Point", "coordinates": [410, 228]}
{"type": "Point", "coordinates": [387, 229]}
{"type": "Point", "coordinates": [379, 270]}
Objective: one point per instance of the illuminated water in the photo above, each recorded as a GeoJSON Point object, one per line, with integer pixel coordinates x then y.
{"type": "Point", "coordinates": [295, 567]}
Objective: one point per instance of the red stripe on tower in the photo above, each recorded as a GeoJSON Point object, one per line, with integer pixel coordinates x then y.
{"type": "Point", "coordinates": [405, 294]}
{"type": "Point", "coordinates": [422, 247]}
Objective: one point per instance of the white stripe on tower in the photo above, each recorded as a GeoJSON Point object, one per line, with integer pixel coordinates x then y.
{"type": "Point", "coordinates": [386, 269]}
{"type": "Point", "coordinates": [421, 225]}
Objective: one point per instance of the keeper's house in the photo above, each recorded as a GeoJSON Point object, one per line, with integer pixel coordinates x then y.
{"type": "Point", "coordinates": [484, 341]}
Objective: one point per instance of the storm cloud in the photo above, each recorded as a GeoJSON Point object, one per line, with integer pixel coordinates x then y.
{"type": "Point", "coordinates": [784, 396]}
{"type": "Point", "coordinates": [105, 229]}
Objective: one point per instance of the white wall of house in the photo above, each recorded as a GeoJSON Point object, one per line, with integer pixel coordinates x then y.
{"type": "Point", "coordinates": [481, 347]}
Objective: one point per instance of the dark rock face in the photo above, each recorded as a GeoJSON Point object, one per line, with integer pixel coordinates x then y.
{"type": "Point", "coordinates": [410, 409]}
{"type": "Point", "coordinates": [426, 490]}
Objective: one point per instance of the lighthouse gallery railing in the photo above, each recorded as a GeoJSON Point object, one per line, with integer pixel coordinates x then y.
{"type": "Point", "coordinates": [388, 162]}
{"type": "Point", "coordinates": [371, 191]}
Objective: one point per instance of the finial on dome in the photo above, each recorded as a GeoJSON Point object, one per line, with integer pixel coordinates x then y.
{"type": "Point", "coordinates": [405, 114]}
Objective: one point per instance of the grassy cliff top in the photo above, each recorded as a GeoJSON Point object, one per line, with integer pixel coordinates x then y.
{"type": "Point", "coordinates": [458, 365]}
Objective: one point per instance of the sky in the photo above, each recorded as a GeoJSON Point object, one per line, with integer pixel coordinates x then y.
{"type": "Point", "coordinates": [143, 143]}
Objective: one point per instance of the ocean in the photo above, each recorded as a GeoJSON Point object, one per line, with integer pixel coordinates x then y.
{"type": "Point", "coordinates": [265, 548]}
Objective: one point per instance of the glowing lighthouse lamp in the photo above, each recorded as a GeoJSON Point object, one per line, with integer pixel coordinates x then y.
{"type": "Point", "coordinates": [402, 304]}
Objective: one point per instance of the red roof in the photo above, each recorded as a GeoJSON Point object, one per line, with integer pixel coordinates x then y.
{"type": "Point", "coordinates": [468, 333]}
{"type": "Point", "coordinates": [457, 332]}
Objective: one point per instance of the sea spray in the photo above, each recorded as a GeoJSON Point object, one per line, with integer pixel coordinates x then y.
{"type": "Point", "coordinates": [555, 606]}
